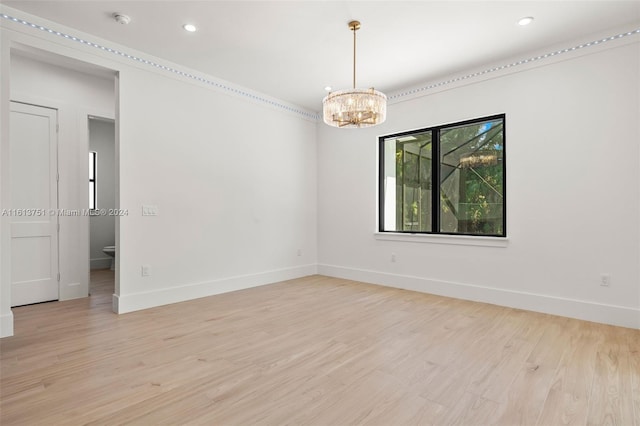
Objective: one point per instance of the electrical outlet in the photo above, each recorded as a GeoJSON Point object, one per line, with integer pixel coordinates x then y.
{"type": "Point", "coordinates": [146, 270]}
{"type": "Point", "coordinates": [393, 257]}
{"type": "Point", "coordinates": [605, 280]}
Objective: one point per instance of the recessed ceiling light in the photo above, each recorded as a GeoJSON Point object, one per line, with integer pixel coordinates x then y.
{"type": "Point", "coordinates": [189, 27]}
{"type": "Point", "coordinates": [327, 88]}
{"type": "Point", "coordinates": [525, 21]}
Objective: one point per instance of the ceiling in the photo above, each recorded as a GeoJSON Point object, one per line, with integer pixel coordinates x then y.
{"type": "Point", "coordinates": [292, 49]}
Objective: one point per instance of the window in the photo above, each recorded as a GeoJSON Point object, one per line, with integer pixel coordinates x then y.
{"type": "Point", "coordinates": [467, 160]}
{"type": "Point", "coordinates": [92, 179]}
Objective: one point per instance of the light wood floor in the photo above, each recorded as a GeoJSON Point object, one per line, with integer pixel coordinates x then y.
{"type": "Point", "coordinates": [315, 350]}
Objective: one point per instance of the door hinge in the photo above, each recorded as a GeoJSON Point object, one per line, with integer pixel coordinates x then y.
{"type": "Point", "coordinates": [58, 276]}
{"type": "Point", "coordinates": [58, 227]}
{"type": "Point", "coordinates": [57, 177]}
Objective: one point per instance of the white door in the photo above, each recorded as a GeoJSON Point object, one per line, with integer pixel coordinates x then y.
{"type": "Point", "coordinates": [34, 202]}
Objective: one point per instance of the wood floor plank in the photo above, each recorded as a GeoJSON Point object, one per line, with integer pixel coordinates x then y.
{"type": "Point", "coordinates": [612, 386]}
{"type": "Point", "coordinates": [535, 376]}
{"type": "Point", "coordinates": [313, 351]}
{"type": "Point", "coordinates": [568, 397]}
{"type": "Point", "coordinates": [470, 409]}
{"type": "Point", "coordinates": [633, 341]}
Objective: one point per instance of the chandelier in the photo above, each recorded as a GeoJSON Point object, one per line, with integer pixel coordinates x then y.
{"type": "Point", "coordinates": [354, 107]}
{"type": "Point", "coordinates": [478, 160]}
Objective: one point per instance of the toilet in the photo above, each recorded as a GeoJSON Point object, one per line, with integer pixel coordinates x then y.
{"type": "Point", "coordinates": [111, 251]}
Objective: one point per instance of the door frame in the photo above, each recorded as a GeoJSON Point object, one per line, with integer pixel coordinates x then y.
{"type": "Point", "coordinates": [112, 119]}
{"type": "Point", "coordinates": [80, 289]}
{"type": "Point", "coordinates": [43, 52]}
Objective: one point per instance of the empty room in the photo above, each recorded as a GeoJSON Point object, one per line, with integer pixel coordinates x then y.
{"type": "Point", "coordinates": [319, 212]}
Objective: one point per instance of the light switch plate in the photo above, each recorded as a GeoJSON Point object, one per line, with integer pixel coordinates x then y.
{"type": "Point", "coordinates": [149, 210]}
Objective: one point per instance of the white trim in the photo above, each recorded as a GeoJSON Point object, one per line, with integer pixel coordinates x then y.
{"type": "Point", "coordinates": [134, 302]}
{"type": "Point", "coordinates": [107, 49]}
{"type": "Point", "coordinates": [504, 67]}
{"type": "Point", "coordinates": [464, 240]}
{"type": "Point", "coordinates": [6, 325]}
{"type": "Point", "coordinates": [580, 309]}
{"type": "Point", "coordinates": [100, 263]}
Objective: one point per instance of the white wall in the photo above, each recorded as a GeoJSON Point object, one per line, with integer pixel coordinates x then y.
{"type": "Point", "coordinates": [75, 95]}
{"type": "Point", "coordinates": [572, 193]}
{"type": "Point", "coordinates": [232, 173]}
{"type": "Point", "coordinates": [102, 228]}
{"type": "Point", "coordinates": [235, 187]}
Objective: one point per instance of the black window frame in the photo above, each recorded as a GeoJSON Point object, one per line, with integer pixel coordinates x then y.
{"type": "Point", "coordinates": [92, 182]}
{"type": "Point", "coordinates": [435, 176]}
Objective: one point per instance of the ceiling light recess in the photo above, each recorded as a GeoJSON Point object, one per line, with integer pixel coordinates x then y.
{"type": "Point", "coordinates": [354, 107]}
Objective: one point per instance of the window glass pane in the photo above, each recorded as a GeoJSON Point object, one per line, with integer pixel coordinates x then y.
{"type": "Point", "coordinates": [472, 179]}
{"type": "Point", "coordinates": [92, 179]}
{"type": "Point", "coordinates": [92, 195]}
{"type": "Point", "coordinates": [407, 183]}
{"type": "Point", "coordinates": [92, 162]}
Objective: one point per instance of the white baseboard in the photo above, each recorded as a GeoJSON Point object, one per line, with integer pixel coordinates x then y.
{"type": "Point", "coordinates": [6, 325]}
{"type": "Point", "coordinates": [137, 301]}
{"type": "Point", "coordinates": [579, 309]}
{"type": "Point", "coordinates": [100, 263]}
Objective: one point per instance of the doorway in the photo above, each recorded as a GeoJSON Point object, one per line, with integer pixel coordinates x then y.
{"type": "Point", "coordinates": [102, 197]}
{"type": "Point", "coordinates": [55, 254]}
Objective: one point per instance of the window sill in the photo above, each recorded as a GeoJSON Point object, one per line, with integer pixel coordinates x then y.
{"type": "Point", "coordinates": [463, 240]}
